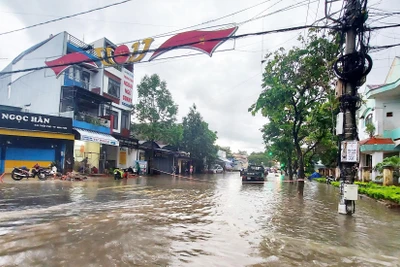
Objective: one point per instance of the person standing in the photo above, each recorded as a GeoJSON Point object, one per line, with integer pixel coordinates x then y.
{"type": "Point", "coordinates": [173, 170]}
{"type": "Point", "coordinates": [137, 167]}
{"type": "Point", "coordinates": [191, 169]}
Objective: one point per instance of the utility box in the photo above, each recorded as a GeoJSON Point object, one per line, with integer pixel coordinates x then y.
{"type": "Point", "coordinates": [339, 123]}
{"type": "Point", "coordinates": [350, 192]}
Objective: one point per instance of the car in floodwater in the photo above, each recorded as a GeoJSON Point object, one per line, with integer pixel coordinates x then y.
{"type": "Point", "coordinates": [254, 174]}
{"type": "Point", "coordinates": [216, 169]}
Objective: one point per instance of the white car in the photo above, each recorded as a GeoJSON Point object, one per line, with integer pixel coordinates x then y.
{"type": "Point", "coordinates": [216, 169]}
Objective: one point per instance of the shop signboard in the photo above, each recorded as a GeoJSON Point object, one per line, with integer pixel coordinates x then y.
{"type": "Point", "coordinates": [34, 122]}
{"type": "Point", "coordinates": [98, 139]}
{"type": "Point", "coordinates": [126, 88]}
{"type": "Point", "coordinates": [127, 142]}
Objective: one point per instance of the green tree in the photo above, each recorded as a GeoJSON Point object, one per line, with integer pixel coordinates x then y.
{"type": "Point", "coordinates": [370, 129]}
{"type": "Point", "coordinates": [259, 158]}
{"type": "Point", "coordinates": [296, 84]}
{"type": "Point", "coordinates": [198, 139]}
{"type": "Point", "coordinates": [277, 137]}
{"type": "Point", "coordinates": [155, 111]}
{"type": "Point", "coordinates": [393, 161]}
{"type": "Point", "coordinates": [173, 135]}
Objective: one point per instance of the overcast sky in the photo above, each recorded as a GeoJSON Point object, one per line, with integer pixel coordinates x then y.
{"type": "Point", "coordinates": [224, 86]}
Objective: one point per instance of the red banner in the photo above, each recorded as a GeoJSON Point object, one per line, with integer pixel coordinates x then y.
{"type": "Point", "coordinates": [198, 40]}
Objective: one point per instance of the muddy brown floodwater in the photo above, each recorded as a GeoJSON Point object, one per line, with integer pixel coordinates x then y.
{"type": "Point", "coordinates": [213, 220]}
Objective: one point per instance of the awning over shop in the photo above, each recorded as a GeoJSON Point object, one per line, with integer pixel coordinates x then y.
{"type": "Point", "coordinates": [91, 136]}
{"type": "Point", "coordinates": [13, 132]}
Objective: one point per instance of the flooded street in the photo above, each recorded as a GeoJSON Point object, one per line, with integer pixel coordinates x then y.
{"type": "Point", "coordinates": [212, 220]}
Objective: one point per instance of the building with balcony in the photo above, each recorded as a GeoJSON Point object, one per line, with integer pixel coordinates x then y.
{"type": "Point", "coordinates": [94, 96]}
{"type": "Point", "coordinates": [382, 109]}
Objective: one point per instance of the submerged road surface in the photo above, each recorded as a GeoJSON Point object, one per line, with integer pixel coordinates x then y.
{"type": "Point", "coordinates": [212, 220]}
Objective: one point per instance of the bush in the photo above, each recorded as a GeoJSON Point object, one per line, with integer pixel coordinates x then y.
{"type": "Point", "coordinates": [320, 180]}
{"type": "Point", "coordinates": [373, 190]}
{"type": "Point", "coordinates": [335, 184]}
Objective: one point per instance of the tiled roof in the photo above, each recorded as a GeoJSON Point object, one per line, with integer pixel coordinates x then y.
{"type": "Point", "coordinates": [377, 141]}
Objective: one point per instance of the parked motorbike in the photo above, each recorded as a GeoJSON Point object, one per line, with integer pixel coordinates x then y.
{"type": "Point", "coordinates": [18, 173]}
{"type": "Point", "coordinates": [122, 173]}
{"type": "Point", "coordinates": [330, 179]}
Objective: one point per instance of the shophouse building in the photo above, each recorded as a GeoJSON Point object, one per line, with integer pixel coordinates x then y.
{"type": "Point", "coordinates": [63, 77]}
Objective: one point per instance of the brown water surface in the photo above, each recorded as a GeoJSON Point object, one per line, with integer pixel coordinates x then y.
{"type": "Point", "coordinates": [212, 220]}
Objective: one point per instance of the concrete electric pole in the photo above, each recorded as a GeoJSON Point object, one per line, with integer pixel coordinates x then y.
{"type": "Point", "coordinates": [351, 69]}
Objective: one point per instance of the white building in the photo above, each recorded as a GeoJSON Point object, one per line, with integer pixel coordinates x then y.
{"type": "Point", "coordinates": [98, 98]}
{"type": "Point", "coordinates": [240, 161]}
{"type": "Point", "coordinates": [382, 109]}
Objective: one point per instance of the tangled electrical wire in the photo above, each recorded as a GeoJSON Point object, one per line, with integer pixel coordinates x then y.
{"type": "Point", "coordinates": [351, 67]}
{"type": "Point", "coordinates": [354, 66]}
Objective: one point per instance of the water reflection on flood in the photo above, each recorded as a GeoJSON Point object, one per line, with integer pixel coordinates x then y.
{"type": "Point", "coordinates": [207, 221]}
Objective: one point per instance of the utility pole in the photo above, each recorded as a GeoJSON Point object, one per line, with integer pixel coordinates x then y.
{"type": "Point", "coordinates": [351, 70]}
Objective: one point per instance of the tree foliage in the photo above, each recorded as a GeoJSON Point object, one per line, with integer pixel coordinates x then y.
{"type": "Point", "coordinates": [198, 139]}
{"type": "Point", "coordinates": [370, 129]}
{"type": "Point", "coordinates": [297, 85]}
{"type": "Point", "coordinates": [393, 161]}
{"type": "Point", "coordinates": [156, 110]}
{"type": "Point", "coordinates": [260, 158]}
{"type": "Point", "coordinates": [173, 135]}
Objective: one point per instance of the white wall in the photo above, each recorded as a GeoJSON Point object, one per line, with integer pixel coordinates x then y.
{"type": "Point", "coordinates": [42, 93]}
{"type": "Point", "coordinates": [39, 88]}
{"type": "Point", "coordinates": [376, 158]}
{"type": "Point", "coordinates": [51, 50]}
{"type": "Point", "coordinates": [131, 157]}
{"type": "Point", "coordinates": [381, 122]}
{"type": "Point", "coordinates": [391, 123]}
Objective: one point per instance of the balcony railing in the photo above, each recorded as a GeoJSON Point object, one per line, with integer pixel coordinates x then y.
{"type": "Point", "coordinates": [82, 45]}
{"type": "Point", "coordinates": [89, 118]}
{"type": "Point", "coordinates": [68, 81]}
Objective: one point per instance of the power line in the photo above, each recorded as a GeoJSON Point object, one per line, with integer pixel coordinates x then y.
{"type": "Point", "coordinates": [384, 46]}
{"type": "Point", "coordinates": [66, 17]}
{"type": "Point", "coordinates": [176, 46]}
{"type": "Point", "coordinates": [203, 23]}
{"type": "Point", "coordinates": [292, 6]}
{"type": "Point", "coordinates": [383, 27]}
{"type": "Point", "coordinates": [299, 4]}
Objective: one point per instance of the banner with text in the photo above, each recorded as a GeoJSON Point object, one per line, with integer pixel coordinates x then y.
{"type": "Point", "coordinates": [127, 88]}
